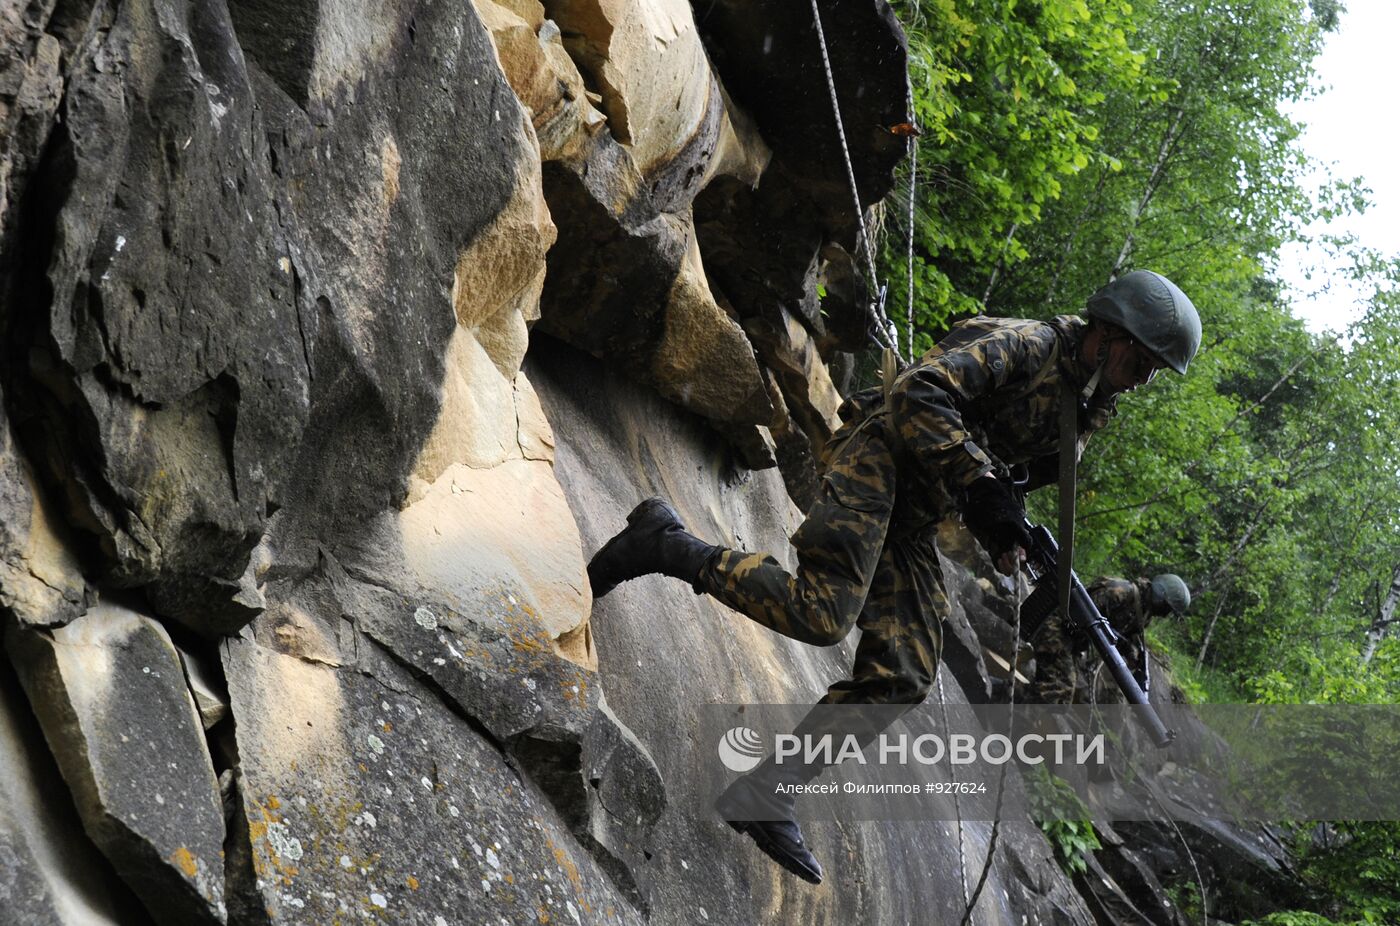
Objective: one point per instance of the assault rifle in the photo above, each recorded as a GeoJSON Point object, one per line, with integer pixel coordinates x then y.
{"type": "Point", "coordinates": [1042, 562]}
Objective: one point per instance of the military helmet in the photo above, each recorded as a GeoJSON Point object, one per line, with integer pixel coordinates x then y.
{"type": "Point", "coordinates": [1154, 311]}
{"type": "Point", "coordinates": [1169, 590]}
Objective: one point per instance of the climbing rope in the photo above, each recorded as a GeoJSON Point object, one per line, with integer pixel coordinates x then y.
{"type": "Point", "coordinates": [953, 779]}
{"type": "Point", "coordinates": [909, 236]}
{"type": "Point", "coordinates": [1022, 592]}
{"type": "Point", "coordinates": [885, 334]}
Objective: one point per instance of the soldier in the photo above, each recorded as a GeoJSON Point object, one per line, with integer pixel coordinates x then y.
{"type": "Point", "coordinates": [1064, 671]}
{"type": "Point", "coordinates": [941, 439]}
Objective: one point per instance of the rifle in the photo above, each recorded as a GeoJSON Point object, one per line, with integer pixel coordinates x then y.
{"type": "Point", "coordinates": [1042, 562]}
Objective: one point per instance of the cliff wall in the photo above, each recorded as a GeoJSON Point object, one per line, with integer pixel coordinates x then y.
{"type": "Point", "coordinates": [336, 336]}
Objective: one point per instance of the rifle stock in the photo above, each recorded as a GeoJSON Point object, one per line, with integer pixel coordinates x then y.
{"type": "Point", "coordinates": [1043, 560]}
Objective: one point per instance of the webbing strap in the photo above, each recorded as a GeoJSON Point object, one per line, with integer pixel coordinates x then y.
{"type": "Point", "coordinates": [889, 368]}
{"type": "Point", "coordinates": [1069, 459]}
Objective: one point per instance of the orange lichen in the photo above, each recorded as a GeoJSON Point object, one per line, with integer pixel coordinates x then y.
{"type": "Point", "coordinates": [412, 882]}
{"type": "Point", "coordinates": [566, 863]}
{"type": "Point", "coordinates": [184, 860]}
{"type": "Point", "coordinates": [257, 832]}
{"type": "Point", "coordinates": [272, 802]}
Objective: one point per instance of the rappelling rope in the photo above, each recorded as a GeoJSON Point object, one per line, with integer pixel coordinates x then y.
{"type": "Point", "coordinates": [953, 779]}
{"type": "Point", "coordinates": [909, 235]}
{"type": "Point", "coordinates": [1022, 592]}
{"type": "Point", "coordinates": [885, 333]}
{"type": "Point", "coordinates": [887, 336]}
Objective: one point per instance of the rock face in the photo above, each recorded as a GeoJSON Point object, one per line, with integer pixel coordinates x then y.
{"type": "Point", "coordinates": [111, 697]}
{"type": "Point", "coordinates": [49, 872]}
{"type": "Point", "coordinates": [334, 339]}
{"type": "Point", "coordinates": [41, 582]}
{"type": "Point", "coordinates": [365, 795]}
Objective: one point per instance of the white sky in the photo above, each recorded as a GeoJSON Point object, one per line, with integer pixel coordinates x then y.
{"type": "Point", "coordinates": [1352, 124]}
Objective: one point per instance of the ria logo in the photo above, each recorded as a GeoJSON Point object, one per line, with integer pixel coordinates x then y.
{"type": "Point", "coordinates": [741, 749]}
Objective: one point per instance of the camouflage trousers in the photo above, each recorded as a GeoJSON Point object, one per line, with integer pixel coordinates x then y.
{"type": "Point", "coordinates": [856, 566]}
{"type": "Point", "coordinates": [1059, 678]}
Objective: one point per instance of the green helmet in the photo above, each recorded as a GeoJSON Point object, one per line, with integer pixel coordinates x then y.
{"type": "Point", "coordinates": [1169, 590]}
{"type": "Point", "coordinates": [1152, 309]}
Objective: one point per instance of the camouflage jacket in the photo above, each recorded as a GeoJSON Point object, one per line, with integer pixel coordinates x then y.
{"type": "Point", "coordinates": [984, 399]}
{"type": "Point", "coordinates": [1121, 601]}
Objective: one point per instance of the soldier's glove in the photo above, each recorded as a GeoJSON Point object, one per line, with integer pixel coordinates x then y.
{"type": "Point", "coordinates": [994, 514]}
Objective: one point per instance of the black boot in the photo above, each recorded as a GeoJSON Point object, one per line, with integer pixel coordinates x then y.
{"type": "Point", "coordinates": [653, 541]}
{"type": "Point", "coordinates": [753, 805]}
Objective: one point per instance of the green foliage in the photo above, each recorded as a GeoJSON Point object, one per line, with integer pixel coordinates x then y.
{"type": "Point", "coordinates": [1185, 895]}
{"type": "Point", "coordinates": [1354, 868]}
{"type": "Point", "coordinates": [1063, 819]}
{"type": "Point", "coordinates": [1006, 95]}
{"type": "Point", "coordinates": [1073, 840]}
{"type": "Point", "coordinates": [1295, 918]}
{"type": "Point", "coordinates": [1359, 868]}
{"type": "Point", "coordinates": [1067, 141]}
{"type": "Point", "coordinates": [1199, 684]}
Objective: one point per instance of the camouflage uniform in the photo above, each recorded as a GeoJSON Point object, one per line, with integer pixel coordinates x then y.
{"type": "Point", "coordinates": [1065, 667]}
{"type": "Point", "coordinates": [984, 399]}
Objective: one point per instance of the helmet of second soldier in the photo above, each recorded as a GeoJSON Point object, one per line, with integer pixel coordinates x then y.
{"type": "Point", "coordinates": [1154, 311]}
{"type": "Point", "coordinates": [1170, 593]}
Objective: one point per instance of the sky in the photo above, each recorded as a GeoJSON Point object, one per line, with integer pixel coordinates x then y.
{"type": "Point", "coordinates": [1352, 125]}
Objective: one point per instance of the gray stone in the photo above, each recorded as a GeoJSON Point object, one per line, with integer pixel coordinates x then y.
{"type": "Point", "coordinates": [411, 162]}
{"type": "Point", "coordinates": [750, 42]}
{"type": "Point", "coordinates": [50, 874]}
{"type": "Point", "coordinates": [1125, 890]}
{"type": "Point", "coordinates": [238, 307]}
{"type": "Point", "coordinates": [31, 85]}
{"type": "Point", "coordinates": [166, 378]}
{"type": "Point", "coordinates": [766, 246]}
{"type": "Point", "coordinates": [496, 665]}
{"type": "Point", "coordinates": [365, 795]}
{"type": "Point", "coordinates": [616, 287]}
{"type": "Point", "coordinates": [110, 695]}
{"type": "Point", "coordinates": [40, 579]}
{"type": "Point", "coordinates": [210, 698]}
{"type": "Point", "coordinates": [621, 768]}
{"type": "Point", "coordinates": [499, 668]}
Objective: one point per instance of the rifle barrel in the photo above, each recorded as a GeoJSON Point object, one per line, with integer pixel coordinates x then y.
{"type": "Point", "coordinates": [1086, 616]}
